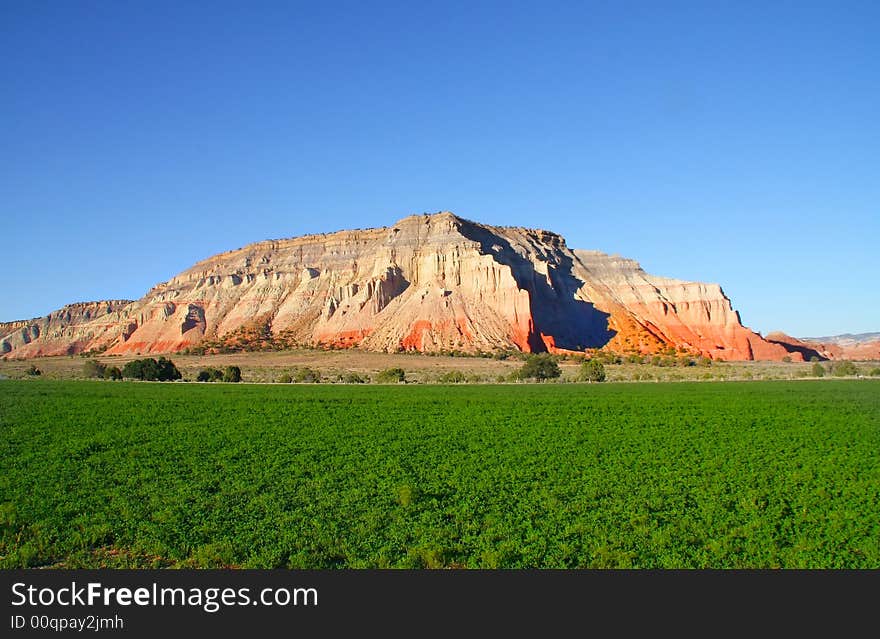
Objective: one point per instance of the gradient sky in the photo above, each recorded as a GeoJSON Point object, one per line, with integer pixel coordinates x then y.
{"type": "Point", "coordinates": [735, 142]}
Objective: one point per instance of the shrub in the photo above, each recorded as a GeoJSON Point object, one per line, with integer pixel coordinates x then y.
{"type": "Point", "coordinates": [874, 372]}
{"type": "Point", "coordinates": [33, 371]}
{"type": "Point", "coordinates": [285, 378]}
{"type": "Point", "coordinates": [844, 368]}
{"type": "Point", "coordinates": [149, 369]}
{"type": "Point", "coordinates": [94, 368]}
{"type": "Point", "coordinates": [592, 371]}
{"type": "Point", "coordinates": [391, 376]}
{"type": "Point", "coordinates": [818, 370]}
{"type": "Point", "coordinates": [209, 375]}
{"type": "Point", "coordinates": [232, 374]}
{"type": "Point", "coordinates": [352, 378]}
{"type": "Point", "coordinates": [167, 370]}
{"type": "Point", "coordinates": [453, 377]}
{"type": "Point", "coordinates": [112, 372]}
{"type": "Point", "coordinates": [539, 367]}
{"type": "Point", "coordinates": [306, 375]}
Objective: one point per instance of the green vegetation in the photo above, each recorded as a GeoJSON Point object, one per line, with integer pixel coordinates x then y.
{"type": "Point", "coordinates": [306, 375]}
{"type": "Point", "coordinates": [112, 373]}
{"type": "Point", "coordinates": [818, 370]}
{"type": "Point", "coordinates": [210, 375]}
{"type": "Point", "coordinates": [452, 377]}
{"type": "Point", "coordinates": [33, 371]}
{"type": "Point", "coordinates": [151, 370]}
{"type": "Point", "coordinates": [591, 371]}
{"type": "Point", "coordinates": [540, 367]}
{"type": "Point", "coordinates": [94, 368]}
{"type": "Point", "coordinates": [391, 376]}
{"type": "Point", "coordinates": [232, 374]}
{"type": "Point", "coordinates": [748, 474]}
{"type": "Point", "coordinates": [844, 368]}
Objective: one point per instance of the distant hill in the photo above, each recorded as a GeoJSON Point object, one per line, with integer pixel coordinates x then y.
{"type": "Point", "coordinates": [863, 346]}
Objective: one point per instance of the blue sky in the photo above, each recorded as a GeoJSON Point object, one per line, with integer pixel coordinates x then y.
{"type": "Point", "coordinates": [736, 142]}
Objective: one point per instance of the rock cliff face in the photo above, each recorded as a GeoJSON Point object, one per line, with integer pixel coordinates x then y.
{"type": "Point", "coordinates": [67, 331]}
{"type": "Point", "coordinates": [428, 283]}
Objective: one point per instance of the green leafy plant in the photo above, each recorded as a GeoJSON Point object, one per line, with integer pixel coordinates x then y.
{"type": "Point", "coordinates": [591, 371]}
{"type": "Point", "coordinates": [539, 367]}
{"type": "Point", "coordinates": [94, 368]}
{"type": "Point", "coordinates": [210, 375]}
{"type": "Point", "coordinates": [149, 369]}
{"type": "Point", "coordinates": [391, 376]}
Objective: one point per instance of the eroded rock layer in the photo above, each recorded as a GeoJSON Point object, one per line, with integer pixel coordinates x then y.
{"type": "Point", "coordinates": [429, 283]}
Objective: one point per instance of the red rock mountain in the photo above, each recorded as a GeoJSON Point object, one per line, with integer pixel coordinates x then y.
{"type": "Point", "coordinates": [428, 283]}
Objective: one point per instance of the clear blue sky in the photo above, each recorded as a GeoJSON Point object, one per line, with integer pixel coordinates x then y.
{"type": "Point", "coordinates": [736, 142]}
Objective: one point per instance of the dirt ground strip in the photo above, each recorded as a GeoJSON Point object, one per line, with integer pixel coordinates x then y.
{"type": "Point", "coordinates": [268, 366]}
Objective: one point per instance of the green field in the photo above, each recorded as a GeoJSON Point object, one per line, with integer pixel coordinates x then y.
{"type": "Point", "coordinates": [739, 474]}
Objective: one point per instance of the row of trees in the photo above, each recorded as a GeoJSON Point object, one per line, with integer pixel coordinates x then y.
{"type": "Point", "coordinates": [843, 368]}
{"type": "Point", "coordinates": [151, 370]}
{"type": "Point", "coordinates": [148, 369]}
{"type": "Point", "coordinates": [230, 374]}
{"type": "Point", "coordinates": [539, 367]}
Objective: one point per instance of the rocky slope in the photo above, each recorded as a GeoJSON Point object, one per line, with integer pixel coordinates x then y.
{"type": "Point", "coordinates": [865, 346]}
{"type": "Point", "coordinates": [428, 283]}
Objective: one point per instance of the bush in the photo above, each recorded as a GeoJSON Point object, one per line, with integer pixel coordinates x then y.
{"type": "Point", "coordinates": [539, 367]}
{"type": "Point", "coordinates": [285, 378]}
{"type": "Point", "coordinates": [844, 369]}
{"type": "Point", "coordinates": [874, 372]}
{"type": "Point", "coordinates": [112, 372]}
{"type": "Point", "coordinates": [818, 370]}
{"type": "Point", "coordinates": [151, 370]}
{"type": "Point", "coordinates": [591, 371]}
{"type": "Point", "coordinates": [352, 378]}
{"type": "Point", "coordinates": [391, 376]}
{"type": "Point", "coordinates": [306, 375]}
{"type": "Point", "coordinates": [232, 374]}
{"type": "Point", "coordinates": [167, 370]}
{"type": "Point", "coordinates": [94, 368]}
{"type": "Point", "coordinates": [453, 377]}
{"type": "Point", "coordinates": [209, 375]}
{"type": "Point", "coordinates": [33, 371]}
